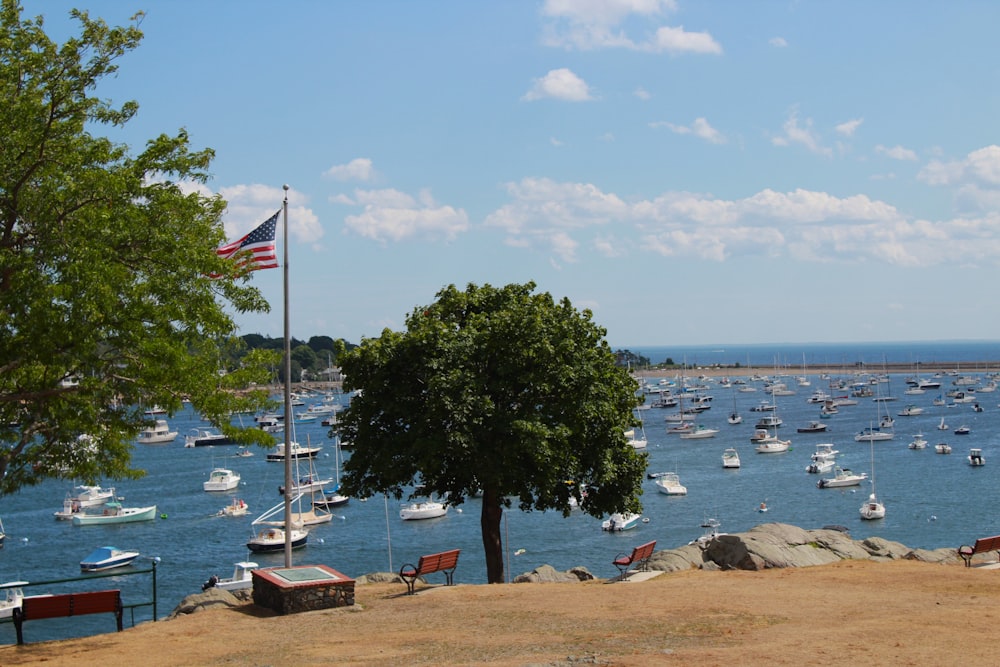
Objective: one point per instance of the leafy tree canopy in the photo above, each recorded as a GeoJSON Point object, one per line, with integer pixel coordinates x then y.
{"type": "Point", "coordinates": [106, 307]}
{"type": "Point", "coordinates": [502, 392]}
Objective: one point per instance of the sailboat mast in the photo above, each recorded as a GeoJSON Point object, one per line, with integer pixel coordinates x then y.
{"type": "Point", "coordinates": [289, 417]}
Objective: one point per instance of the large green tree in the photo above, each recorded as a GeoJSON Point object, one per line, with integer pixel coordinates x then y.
{"type": "Point", "coordinates": [104, 257]}
{"type": "Point", "coordinates": [502, 392]}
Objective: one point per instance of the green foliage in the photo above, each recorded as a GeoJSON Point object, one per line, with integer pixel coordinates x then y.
{"type": "Point", "coordinates": [499, 391]}
{"type": "Point", "coordinates": [106, 306]}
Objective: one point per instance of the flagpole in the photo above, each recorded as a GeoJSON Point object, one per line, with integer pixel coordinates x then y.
{"type": "Point", "coordinates": [289, 417]}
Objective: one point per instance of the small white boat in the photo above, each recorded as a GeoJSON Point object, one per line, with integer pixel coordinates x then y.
{"type": "Point", "coordinates": [669, 483]}
{"type": "Point", "coordinates": [244, 452]}
{"type": "Point", "coordinates": [298, 452]}
{"type": "Point", "coordinates": [711, 532]}
{"type": "Point", "coordinates": [699, 432]}
{"type": "Point", "coordinates": [12, 597]}
{"type": "Point", "coordinates": [242, 578]}
{"type": "Point", "coordinates": [873, 434]}
{"type": "Point", "coordinates": [619, 522]}
{"type": "Point", "coordinates": [307, 484]}
{"type": "Point", "coordinates": [222, 479]}
{"type": "Point", "coordinates": [91, 496]}
{"type": "Point", "coordinates": [976, 457]}
{"type": "Point", "coordinates": [760, 434]}
{"type": "Point", "coordinates": [942, 448]}
{"type": "Point", "coordinates": [820, 466]}
{"type": "Point", "coordinates": [963, 430]}
{"type": "Point", "coordinates": [731, 458]}
{"type": "Point", "coordinates": [107, 558]}
{"type": "Point", "coordinates": [113, 512]}
{"type": "Point", "coordinates": [872, 509]}
{"type": "Point", "coordinates": [237, 507]}
{"type": "Point", "coordinates": [812, 427]}
{"type": "Point", "coordinates": [680, 427]}
{"type": "Point", "coordinates": [636, 440]}
{"type": "Point", "coordinates": [206, 437]}
{"type": "Point", "coordinates": [942, 426]}
{"type": "Point", "coordinates": [918, 442]}
{"type": "Point", "coordinates": [842, 477]}
{"type": "Point", "coordinates": [772, 445]}
{"type": "Point", "coordinates": [911, 411]}
{"type": "Point", "coordinates": [158, 433]}
{"type": "Point", "coordinates": [424, 509]}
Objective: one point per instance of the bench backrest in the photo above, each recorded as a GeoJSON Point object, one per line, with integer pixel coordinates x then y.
{"type": "Point", "coordinates": [643, 551]}
{"type": "Point", "coordinates": [70, 604]}
{"type": "Point", "coordinates": [987, 544]}
{"type": "Point", "coordinates": [439, 561]}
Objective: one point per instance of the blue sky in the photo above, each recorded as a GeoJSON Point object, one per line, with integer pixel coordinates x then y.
{"type": "Point", "coordinates": [692, 172]}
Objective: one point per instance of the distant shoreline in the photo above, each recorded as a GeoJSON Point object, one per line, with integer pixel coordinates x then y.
{"type": "Point", "coordinates": [923, 369]}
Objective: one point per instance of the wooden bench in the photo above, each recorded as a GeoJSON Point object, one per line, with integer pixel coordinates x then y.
{"type": "Point", "coordinates": [69, 604]}
{"type": "Point", "coordinates": [982, 545]}
{"type": "Point", "coordinates": [445, 561]}
{"type": "Point", "coordinates": [639, 558]}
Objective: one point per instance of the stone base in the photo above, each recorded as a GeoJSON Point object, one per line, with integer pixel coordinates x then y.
{"type": "Point", "coordinates": [301, 588]}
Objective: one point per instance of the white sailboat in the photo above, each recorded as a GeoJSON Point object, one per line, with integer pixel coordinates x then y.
{"type": "Point", "coordinates": [872, 508]}
{"type": "Point", "coordinates": [734, 417]}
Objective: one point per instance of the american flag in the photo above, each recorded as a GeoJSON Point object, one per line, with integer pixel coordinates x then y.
{"type": "Point", "coordinates": [256, 249]}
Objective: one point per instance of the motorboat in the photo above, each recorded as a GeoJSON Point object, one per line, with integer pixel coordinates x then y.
{"type": "Point", "coordinates": [759, 434]}
{"type": "Point", "coordinates": [731, 458]}
{"type": "Point", "coordinates": [13, 595]}
{"type": "Point", "coordinates": [621, 521]}
{"type": "Point", "coordinates": [772, 445]}
{"type": "Point", "coordinates": [812, 427]}
{"type": "Point", "coordinates": [699, 432]}
{"type": "Point", "coordinates": [237, 507]}
{"type": "Point", "coordinates": [711, 532]}
{"type": "Point", "coordinates": [769, 421]}
{"type": "Point", "coordinates": [244, 452]}
{"type": "Point", "coordinates": [942, 448]}
{"type": "Point", "coordinates": [242, 578]}
{"type": "Point", "coordinates": [842, 477]}
{"type": "Point", "coordinates": [297, 452]}
{"type": "Point", "coordinates": [873, 434]}
{"type": "Point", "coordinates": [206, 437]}
{"type": "Point", "coordinates": [307, 484]}
{"type": "Point", "coordinates": [113, 512]}
{"type": "Point", "coordinates": [158, 433]}
{"type": "Point", "coordinates": [107, 558]}
{"type": "Point", "coordinates": [91, 496]}
{"type": "Point", "coordinates": [823, 459]}
{"type": "Point", "coordinates": [963, 430]}
{"type": "Point", "coordinates": [764, 406]}
{"type": "Point", "coordinates": [976, 457]}
{"type": "Point", "coordinates": [669, 483]}
{"type": "Point", "coordinates": [270, 423]}
{"type": "Point", "coordinates": [918, 442]}
{"type": "Point", "coordinates": [222, 479]}
{"type": "Point", "coordinates": [911, 411]}
{"type": "Point", "coordinates": [820, 466]}
{"type": "Point", "coordinates": [681, 427]}
{"type": "Point", "coordinates": [423, 509]}
{"type": "Point", "coordinates": [70, 508]}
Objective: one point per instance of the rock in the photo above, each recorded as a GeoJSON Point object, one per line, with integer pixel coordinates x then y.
{"type": "Point", "coordinates": [546, 574]}
{"type": "Point", "coordinates": [378, 578]}
{"type": "Point", "coordinates": [211, 598]}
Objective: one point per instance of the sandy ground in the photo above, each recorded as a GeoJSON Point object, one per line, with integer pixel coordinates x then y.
{"type": "Point", "coordinates": [850, 613]}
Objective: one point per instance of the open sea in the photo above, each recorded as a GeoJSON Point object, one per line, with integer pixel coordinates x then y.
{"type": "Point", "coordinates": [932, 500]}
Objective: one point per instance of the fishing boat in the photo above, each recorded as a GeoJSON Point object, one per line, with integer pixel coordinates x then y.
{"type": "Point", "coordinates": [242, 578]}
{"type": "Point", "coordinates": [297, 452]}
{"type": "Point", "coordinates": [222, 479]}
{"type": "Point", "coordinates": [812, 427]}
{"type": "Point", "coordinates": [107, 558]}
{"type": "Point", "coordinates": [918, 442]}
{"type": "Point", "coordinates": [13, 595]}
{"type": "Point", "coordinates": [237, 507]}
{"type": "Point", "coordinates": [621, 521]}
{"type": "Point", "coordinates": [823, 459]}
{"type": "Point", "coordinates": [942, 448]}
{"type": "Point", "coordinates": [113, 512]}
{"type": "Point", "coordinates": [842, 477]}
{"type": "Point", "coordinates": [669, 483]}
{"type": "Point", "coordinates": [206, 437]}
{"type": "Point", "coordinates": [976, 457]}
{"type": "Point", "coordinates": [156, 434]}
{"type": "Point", "coordinates": [91, 496]}
{"type": "Point", "coordinates": [699, 432]}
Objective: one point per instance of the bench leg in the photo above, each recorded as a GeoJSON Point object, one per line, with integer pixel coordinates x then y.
{"type": "Point", "coordinates": [449, 578]}
{"type": "Point", "coordinates": [18, 620]}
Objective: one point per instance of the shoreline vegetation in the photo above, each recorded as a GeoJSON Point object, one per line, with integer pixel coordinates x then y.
{"type": "Point", "coordinates": [896, 612]}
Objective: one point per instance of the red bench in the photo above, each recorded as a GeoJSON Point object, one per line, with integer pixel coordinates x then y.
{"type": "Point", "coordinates": [445, 561]}
{"type": "Point", "coordinates": [639, 558]}
{"type": "Point", "coordinates": [982, 545]}
{"type": "Point", "coordinates": [69, 604]}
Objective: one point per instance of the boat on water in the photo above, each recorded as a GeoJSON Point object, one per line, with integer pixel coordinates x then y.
{"type": "Point", "coordinates": [942, 448]}
{"type": "Point", "coordinates": [963, 430]}
{"type": "Point", "coordinates": [297, 452]}
{"type": "Point", "coordinates": [113, 512]}
{"type": "Point", "coordinates": [621, 521]}
{"type": "Point", "coordinates": [423, 509]}
{"type": "Point", "coordinates": [812, 427]}
{"type": "Point", "coordinates": [244, 452]}
{"type": "Point", "coordinates": [873, 434]}
{"type": "Point", "coordinates": [730, 458]}
{"type": "Point", "coordinates": [242, 578]}
{"type": "Point", "coordinates": [222, 479]}
{"type": "Point", "coordinates": [872, 508]}
{"type": "Point", "coordinates": [769, 421]}
{"type": "Point", "coordinates": [918, 442]}
{"type": "Point", "coordinates": [206, 437]}
{"type": "Point", "coordinates": [91, 496]}
{"type": "Point", "coordinates": [156, 434]}
{"type": "Point", "coordinates": [976, 457]}
{"type": "Point", "coordinates": [637, 439]}
{"type": "Point", "coordinates": [13, 595]}
{"type": "Point", "coordinates": [711, 532]}
{"type": "Point", "coordinates": [842, 477]}
{"type": "Point", "coordinates": [680, 427]}
{"type": "Point", "coordinates": [268, 533]}
{"type": "Point", "coordinates": [942, 426]}
{"type": "Point", "coordinates": [911, 411]}
{"type": "Point", "coordinates": [237, 507]}
{"type": "Point", "coordinates": [823, 459]}
{"type": "Point", "coordinates": [772, 445]}
{"type": "Point", "coordinates": [107, 558]}
{"type": "Point", "coordinates": [669, 483]}
{"type": "Point", "coordinates": [699, 432]}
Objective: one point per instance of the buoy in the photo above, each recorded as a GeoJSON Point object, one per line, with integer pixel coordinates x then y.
{"type": "Point", "coordinates": [459, 510]}
{"type": "Point", "coordinates": [24, 540]}
{"type": "Point", "coordinates": [321, 541]}
{"type": "Point", "coordinates": [519, 552]}
{"type": "Point", "coordinates": [163, 516]}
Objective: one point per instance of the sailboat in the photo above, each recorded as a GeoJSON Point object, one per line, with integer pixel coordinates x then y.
{"type": "Point", "coordinates": [734, 417]}
{"type": "Point", "coordinates": [270, 534]}
{"type": "Point", "coordinates": [872, 508]}
{"type": "Point", "coordinates": [332, 497]}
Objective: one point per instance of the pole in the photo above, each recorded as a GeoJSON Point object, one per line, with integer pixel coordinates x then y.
{"type": "Point", "coordinates": [289, 417]}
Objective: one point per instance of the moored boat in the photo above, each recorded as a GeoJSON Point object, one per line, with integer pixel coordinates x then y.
{"type": "Point", "coordinates": [222, 479]}
{"type": "Point", "coordinates": [621, 521]}
{"type": "Point", "coordinates": [107, 558]}
{"type": "Point", "coordinates": [206, 437]}
{"type": "Point", "coordinates": [242, 578]}
{"type": "Point", "coordinates": [113, 512]}
{"type": "Point", "coordinates": [842, 477]}
{"type": "Point", "coordinates": [976, 457]}
{"type": "Point", "coordinates": [297, 452]}
{"type": "Point", "coordinates": [669, 483]}
{"type": "Point", "coordinates": [158, 433]}
{"type": "Point", "coordinates": [731, 458]}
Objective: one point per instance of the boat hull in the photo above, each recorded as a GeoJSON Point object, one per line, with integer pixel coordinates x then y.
{"type": "Point", "coordinates": [128, 515]}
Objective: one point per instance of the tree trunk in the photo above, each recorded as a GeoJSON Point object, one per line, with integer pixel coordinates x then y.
{"type": "Point", "coordinates": [489, 523]}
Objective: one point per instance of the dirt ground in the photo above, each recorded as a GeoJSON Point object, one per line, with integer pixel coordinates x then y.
{"type": "Point", "coordinates": [850, 613]}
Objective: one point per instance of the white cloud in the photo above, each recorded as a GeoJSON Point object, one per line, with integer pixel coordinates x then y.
{"type": "Point", "coordinates": [560, 84]}
{"type": "Point", "coordinates": [642, 94]}
{"type": "Point", "coordinates": [981, 166]}
{"type": "Point", "coordinates": [598, 24]}
{"type": "Point", "coordinates": [391, 215]}
{"type": "Point", "coordinates": [358, 169]}
{"type": "Point", "coordinates": [699, 128]}
{"type": "Point", "coordinates": [778, 42]}
{"type": "Point", "coordinates": [896, 152]}
{"type": "Point", "coordinates": [802, 135]}
{"type": "Point", "coordinates": [848, 128]}
{"type": "Point", "coordinates": [249, 205]}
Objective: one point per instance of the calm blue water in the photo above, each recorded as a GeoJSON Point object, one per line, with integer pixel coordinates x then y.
{"type": "Point", "coordinates": [932, 500]}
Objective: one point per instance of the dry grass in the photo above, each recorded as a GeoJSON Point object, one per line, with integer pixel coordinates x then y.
{"type": "Point", "coordinates": [899, 613]}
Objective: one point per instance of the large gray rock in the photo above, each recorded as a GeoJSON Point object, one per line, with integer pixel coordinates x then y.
{"type": "Point", "coordinates": [546, 574]}
{"type": "Point", "coordinates": [209, 599]}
